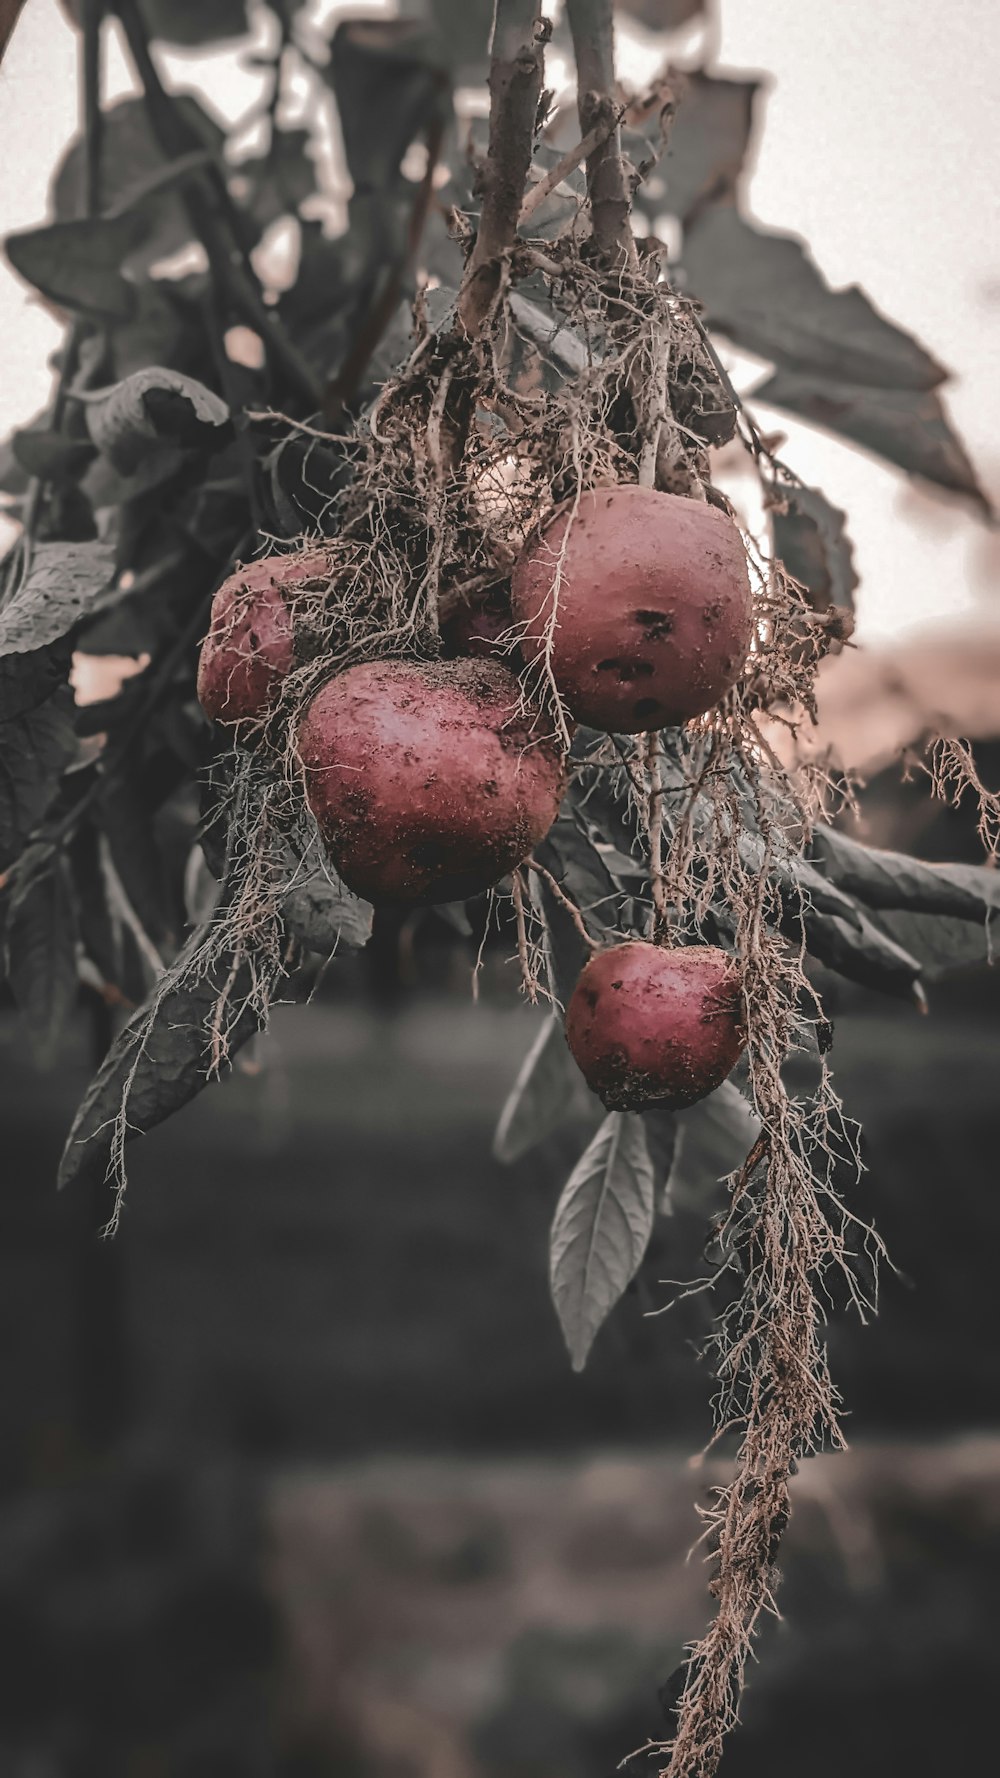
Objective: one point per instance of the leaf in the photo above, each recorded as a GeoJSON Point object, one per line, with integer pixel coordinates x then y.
{"type": "Point", "coordinates": [714, 1138]}
{"type": "Point", "coordinates": [143, 422]}
{"type": "Point", "coordinates": [811, 540]}
{"type": "Point", "coordinates": [194, 22]}
{"type": "Point", "coordinates": [765, 293]}
{"type": "Point", "coordinates": [707, 144]}
{"type": "Point", "coordinates": [662, 15]}
{"type": "Point", "coordinates": [541, 1097]}
{"type": "Point", "coordinates": [459, 35]}
{"type": "Point", "coordinates": [906, 427]}
{"type": "Point", "coordinates": [663, 1143]}
{"type": "Point", "coordinates": [388, 85]}
{"type": "Point", "coordinates": [862, 953]}
{"type": "Point", "coordinates": [580, 870]}
{"type": "Point", "coordinates": [127, 809]}
{"type": "Point", "coordinates": [277, 182]}
{"type": "Point", "coordinates": [324, 915]}
{"type": "Point", "coordinates": [51, 455]}
{"type": "Point", "coordinates": [130, 159]}
{"type": "Point", "coordinates": [894, 880]}
{"type": "Point", "coordinates": [41, 956]}
{"type": "Point", "coordinates": [163, 1056]}
{"type": "Point", "coordinates": [552, 334]}
{"type": "Point", "coordinates": [77, 264]}
{"type": "Point", "coordinates": [601, 1229]}
{"type": "Point", "coordinates": [940, 942]}
{"type": "Point", "coordinates": [35, 747]}
{"type": "Point", "coordinates": [942, 914]}
{"type": "Point", "coordinates": [63, 582]}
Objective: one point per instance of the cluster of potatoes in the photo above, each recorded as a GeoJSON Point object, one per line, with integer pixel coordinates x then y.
{"type": "Point", "coordinates": [430, 781]}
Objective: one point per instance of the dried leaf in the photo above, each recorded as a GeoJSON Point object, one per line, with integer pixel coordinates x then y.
{"type": "Point", "coordinates": [601, 1229]}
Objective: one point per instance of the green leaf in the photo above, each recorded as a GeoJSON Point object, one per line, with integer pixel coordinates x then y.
{"type": "Point", "coordinates": [861, 952]}
{"type": "Point", "coordinates": [324, 915]}
{"type": "Point", "coordinates": [940, 942]}
{"type": "Point", "coordinates": [131, 159]}
{"type": "Point", "coordinates": [194, 22]}
{"type": "Point", "coordinates": [143, 423]}
{"type": "Point", "coordinates": [51, 455]}
{"type": "Point", "coordinates": [63, 582]}
{"type": "Point", "coordinates": [714, 1138]}
{"type": "Point", "coordinates": [163, 1057]}
{"type": "Point", "coordinates": [663, 1137]}
{"type": "Point", "coordinates": [458, 35]}
{"type": "Point", "coordinates": [578, 867]}
{"type": "Point", "coordinates": [280, 180]}
{"type": "Point", "coordinates": [662, 15]}
{"type": "Point", "coordinates": [601, 1229]}
{"type": "Point", "coordinates": [811, 540]}
{"type": "Point", "coordinates": [894, 880]}
{"type": "Point", "coordinates": [766, 294]}
{"type": "Point", "coordinates": [77, 264]}
{"type": "Point", "coordinates": [942, 914]}
{"type": "Point", "coordinates": [41, 955]}
{"type": "Point", "coordinates": [388, 83]}
{"type": "Point", "coordinates": [35, 747]}
{"type": "Point", "coordinates": [542, 1096]}
{"type": "Point", "coordinates": [707, 143]}
{"type": "Point", "coordinates": [907, 427]}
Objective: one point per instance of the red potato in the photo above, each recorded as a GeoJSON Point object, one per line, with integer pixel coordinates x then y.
{"type": "Point", "coordinates": [429, 781]}
{"type": "Point", "coordinates": [650, 1027]}
{"type": "Point", "coordinates": [648, 600]}
{"type": "Point", "coordinates": [250, 645]}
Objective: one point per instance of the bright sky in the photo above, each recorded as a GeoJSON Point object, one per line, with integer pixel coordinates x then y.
{"type": "Point", "coordinates": [878, 145]}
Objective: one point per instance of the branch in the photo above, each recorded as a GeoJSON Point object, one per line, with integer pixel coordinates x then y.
{"type": "Point", "coordinates": [592, 31]}
{"type": "Point", "coordinates": [594, 139]}
{"type": "Point", "coordinates": [516, 69]}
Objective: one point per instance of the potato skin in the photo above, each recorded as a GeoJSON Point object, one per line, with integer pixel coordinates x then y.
{"type": "Point", "coordinates": [650, 1027]}
{"type": "Point", "coordinates": [250, 644]}
{"type": "Point", "coordinates": [653, 607]}
{"type": "Point", "coordinates": [429, 781]}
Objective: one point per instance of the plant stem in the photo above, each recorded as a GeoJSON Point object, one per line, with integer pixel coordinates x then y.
{"type": "Point", "coordinates": [516, 70]}
{"type": "Point", "coordinates": [594, 139]}
{"type": "Point", "coordinates": [592, 31]}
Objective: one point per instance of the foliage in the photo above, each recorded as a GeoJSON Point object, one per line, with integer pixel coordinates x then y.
{"type": "Point", "coordinates": [375, 412]}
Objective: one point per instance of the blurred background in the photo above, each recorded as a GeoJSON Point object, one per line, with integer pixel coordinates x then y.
{"type": "Point", "coordinates": [296, 1480]}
